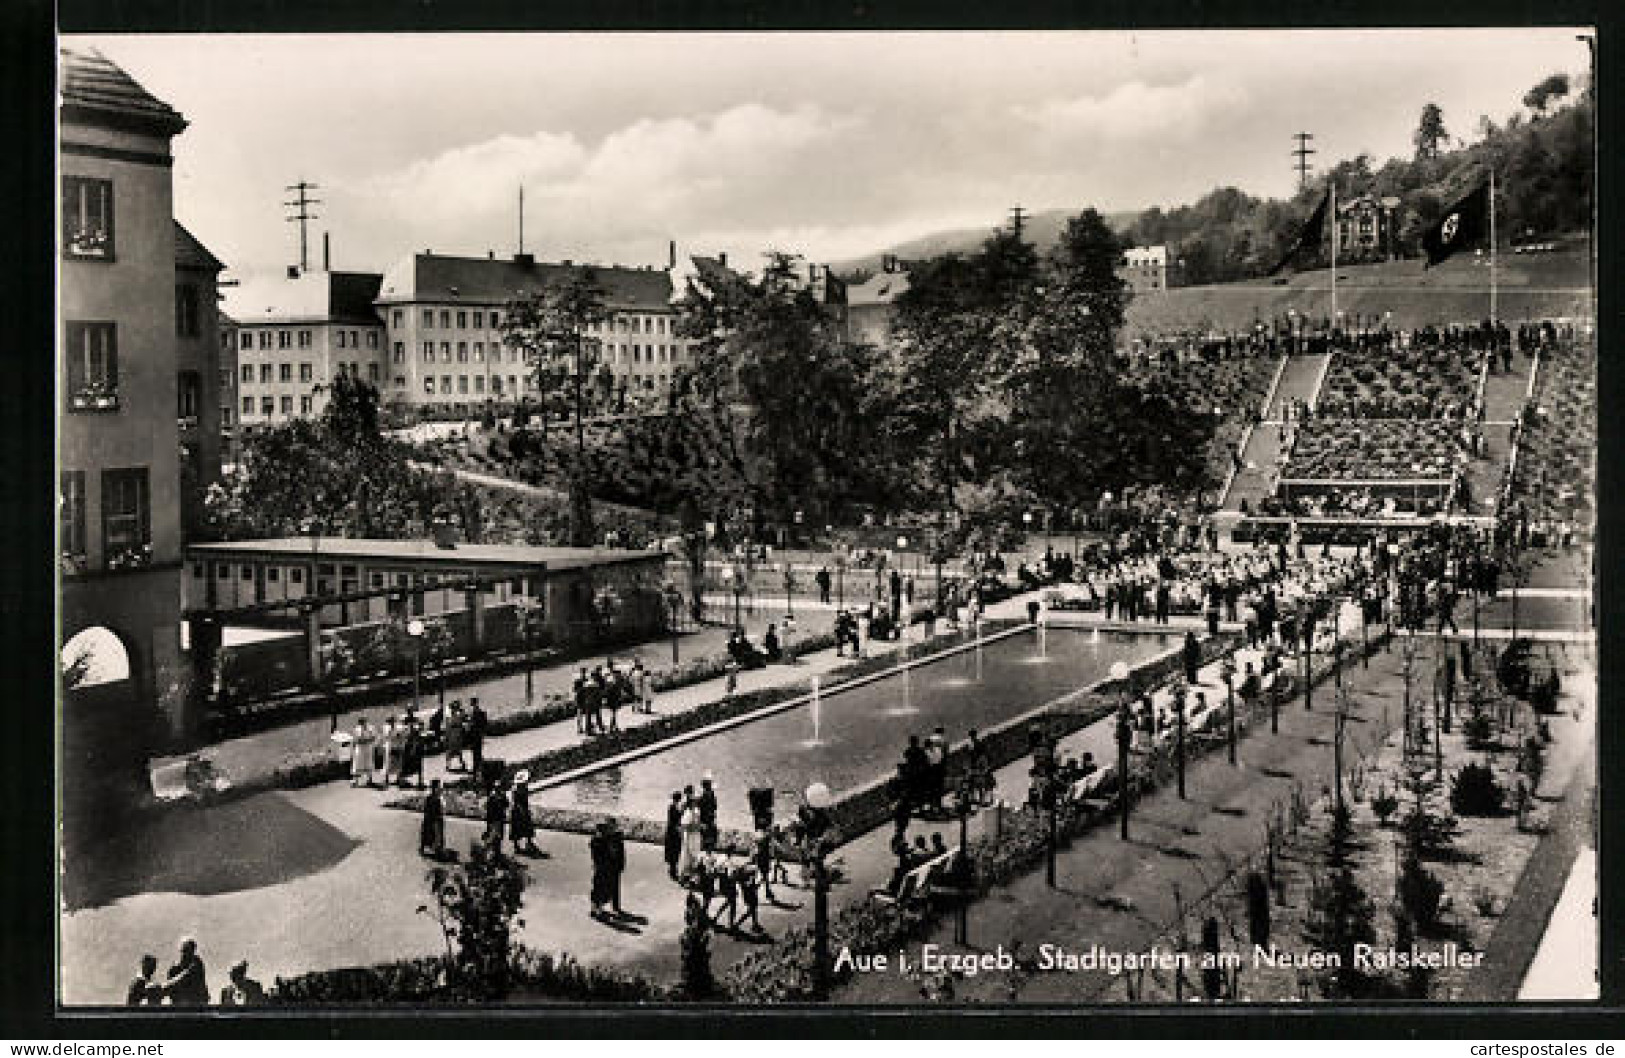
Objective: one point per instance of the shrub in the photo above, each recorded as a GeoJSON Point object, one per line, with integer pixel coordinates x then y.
{"type": "Point", "coordinates": [1420, 894]}
{"type": "Point", "coordinates": [1384, 804]}
{"type": "Point", "coordinates": [1474, 792]}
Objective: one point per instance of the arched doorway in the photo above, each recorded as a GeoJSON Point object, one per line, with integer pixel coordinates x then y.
{"type": "Point", "coordinates": [94, 657]}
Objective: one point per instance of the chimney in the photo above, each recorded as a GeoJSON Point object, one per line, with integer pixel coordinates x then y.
{"type": "Point", "coordinates": [327, 252]}
{"type": "Point", "coordinates": [671, 255]}
{"type": "Point", "coordinates": [293, 271]}
{"type": "Point", "coordinates": [490, 255]}
{"type": "Point", "coordinates": [722, 259]}
{"type": "Point", "coordinates": [524, 260]}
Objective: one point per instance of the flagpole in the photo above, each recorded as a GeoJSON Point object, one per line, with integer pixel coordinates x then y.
{"type": "Point", "coordinates": [1493, 317]}
{"type": "Point", "coordinates": [1334, 256]}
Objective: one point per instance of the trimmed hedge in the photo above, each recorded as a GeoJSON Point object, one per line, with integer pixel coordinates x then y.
{"type": "Point", "coordinates": [425, 982]}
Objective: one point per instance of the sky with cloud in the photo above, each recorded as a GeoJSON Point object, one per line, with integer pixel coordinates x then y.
{"type": "Point", "coordinates": [827, 145]}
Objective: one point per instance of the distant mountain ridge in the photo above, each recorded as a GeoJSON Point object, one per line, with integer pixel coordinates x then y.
{"type": "Point", "coordinates": [1042, 228]}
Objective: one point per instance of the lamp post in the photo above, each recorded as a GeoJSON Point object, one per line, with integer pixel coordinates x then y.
{"type": "Point", "coordinates": [674, 601]}
{"type": "Point", "coordinates": [414, 628]}
{"type": "Point", "coordinates": [522, 607]}
{"type": "Point", "coordinates": [1228, 670]}
{"type": "Point", "coordinates": [1124, 735]}
{"type": "Point", "coordinates": [965, 803]}
{"type": "Point", "coordinates": [1179, 737]}
{"type": "Point", "coordinates": [818, 799]}
{"type": "Point", "coordinates": [728, 585]}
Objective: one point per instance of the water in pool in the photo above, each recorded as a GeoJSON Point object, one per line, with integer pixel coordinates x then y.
{"type": "Point", "coordinates": [846, 739]}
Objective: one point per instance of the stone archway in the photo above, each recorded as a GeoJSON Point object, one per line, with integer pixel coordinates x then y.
{"type": "Point", "coordinates": [109, 723]}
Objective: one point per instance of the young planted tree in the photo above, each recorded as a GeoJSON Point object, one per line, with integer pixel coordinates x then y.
{"type": "Point", "coordinates": [554, 328]}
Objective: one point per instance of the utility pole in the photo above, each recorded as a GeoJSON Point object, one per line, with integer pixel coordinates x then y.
{"type": "Point", "coordinates": [1018, 220]}
{"type": "Point", "coordinates": [304, 216]}
{"type": "Point", "coordinates": [1302, 152]}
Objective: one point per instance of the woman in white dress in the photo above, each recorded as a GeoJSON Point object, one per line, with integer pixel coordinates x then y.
{"type": "Point", "coordinates": [387, 743]}
{"type": "Point", "coordinates": [361, 753]}
{"type": "Point", "coordinates": [692, 837]}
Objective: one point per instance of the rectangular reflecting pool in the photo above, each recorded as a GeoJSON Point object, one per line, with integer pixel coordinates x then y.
{"type": "Point", "coordinates": [855, 736]}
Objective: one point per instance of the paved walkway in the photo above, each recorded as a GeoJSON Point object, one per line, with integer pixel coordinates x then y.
{"type": "Point", "coordinates": [1565, 965]}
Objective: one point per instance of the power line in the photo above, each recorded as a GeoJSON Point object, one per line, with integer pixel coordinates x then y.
{"type": "Point", "coordinates": [1018, 219]}
{"type": "Point", "coordinates": [304, 216]}
{"type": "Point", "coordinates": [1302, 153]}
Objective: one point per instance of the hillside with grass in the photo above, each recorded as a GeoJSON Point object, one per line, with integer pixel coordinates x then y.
{"type": "Point", "coordinates": [1529, 286]}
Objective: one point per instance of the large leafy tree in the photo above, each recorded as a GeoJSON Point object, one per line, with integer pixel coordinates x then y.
{"type": "Point", "coordinates": [337, 472]}
{"type": "Point", "coordinates": [554, 328]}
{"type": "Point", "coordinates": [1431, 135]}
{"type": "Point", "coordinates": [961, 330]}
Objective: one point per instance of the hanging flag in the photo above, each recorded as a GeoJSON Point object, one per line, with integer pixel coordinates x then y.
{"type": "Point", "coordinates": [1309, 236]}
{"type": "Point", "coordinates": [1462, 225]}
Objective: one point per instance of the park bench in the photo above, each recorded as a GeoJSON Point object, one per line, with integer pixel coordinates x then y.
{"type": "Point", "coordinates": [920, 883]}
{"type": "Point", "coordinates": [1093, 792]}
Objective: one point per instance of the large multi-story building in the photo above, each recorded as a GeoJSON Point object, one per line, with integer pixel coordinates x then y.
{"type": "Point", "coordinates": [1144, 269]}
{"type": "Point", "coordinates": [294, 335]}
{"type": "Point", "coordinates": [1365, 228]}
{"type": "Point", "coordinates": [443, 321]}
{"type": "Point", "coordinates": [119, 503]}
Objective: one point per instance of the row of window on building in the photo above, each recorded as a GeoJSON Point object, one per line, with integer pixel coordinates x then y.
{"type": "Point", "coordinates": [248, 339]}
{"type": "Point", "coordinates": [307, 372]}
{"type": "Point", "coordinates": [126, 516]}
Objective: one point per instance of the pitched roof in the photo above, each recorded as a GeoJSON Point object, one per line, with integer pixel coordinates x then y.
{"type": "Point", "coordinates": [484, 280]}
{"type": "Point", "coordinates": [337, 297]}
{"type": "Point", "coordinates": [93, 88]}
{"type": "Point", "coordinates": [189, 253]}
{"type": "Point", "coordinates": [881, 289]}
{"type": "Point", "coordinates": [515, 555]}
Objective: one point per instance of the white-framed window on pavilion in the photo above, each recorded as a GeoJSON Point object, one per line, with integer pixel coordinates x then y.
{"type": "Point", "coordinates": [92, 362]}
{"type": "Point", "coordinates": [71, 540]}
{"type": "Point", "coordinates": [126, 518]}
{"type": "Point", "coordinates": [87, 219]}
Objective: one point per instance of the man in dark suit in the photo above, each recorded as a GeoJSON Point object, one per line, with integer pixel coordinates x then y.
{"type": "Point", "coordinates": [674, 833]}
{"type": "Point", "coordinates": [478, 722]}
{"type": "Point", "coordinates": [187, 985]}
{"type": "Point", "coordinates": [708, 815]}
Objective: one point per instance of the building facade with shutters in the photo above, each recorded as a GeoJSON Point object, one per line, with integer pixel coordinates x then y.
{"type": "Point", "coordinates": [444, 316]}
{"type": "Point", "coordinates": [293, 336]}
{"type": "Point", "coordinates": [119, 368]}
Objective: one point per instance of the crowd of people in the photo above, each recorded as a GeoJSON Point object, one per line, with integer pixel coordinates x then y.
{"type": "Point", "coordinates": [610, 688]}
{"type": "Point", "coordinates": [186, 984]}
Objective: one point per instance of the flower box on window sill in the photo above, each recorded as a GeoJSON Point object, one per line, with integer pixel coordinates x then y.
{"type": "Point", "coordinates": [72, 565]}
{"type": "Point", "coordinates": [130, 558]}
{"type": "Point", "coordinates": [89, 244]}
{"type": "Point", "coordinates": [94, 400]}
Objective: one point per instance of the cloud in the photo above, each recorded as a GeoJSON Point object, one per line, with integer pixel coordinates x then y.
{"type": "Point", "coordinates": [646, 181]}
{"type": "Point", "coordinates": [1135, 110]}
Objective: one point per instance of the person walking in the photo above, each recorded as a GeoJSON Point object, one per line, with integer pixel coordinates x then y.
{"type": "Point", "coordinates": [478, 723]}
{"type": "Point", "coordinates": [693, 830]}
{"type": "Point", "coordinates": [580, 691]}
{"type": "Point", "coordinates": [674, 833]}
{"type": "Point", "coordinates": [412, 753]}
{"type": "Point", "coordinates": [432, 831]}
{"type": "Point", "coordinates": [496, 815]}
{"type": "Point", "coordinates": [187, 983]}
{"type": "Point", "coordinates": [762, 853]}
{"type": "Point", "coordinates": [643, 688]}
{"type": "Point", "coordinates": [708, 814]}
{"type": "Point", "coordinates": [388, 749]}
{"type": "Point", "coordinates": [617, 865]}
{"type": "Point", "coordinates": [1192, 655]}
{"type": "Point", "coordinates": [821, 578]}
{"type": "Point", "coordinates": [456, 732]}
{"type": "Point", "coordinates": [361, 768]}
